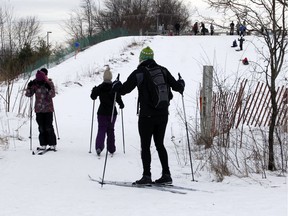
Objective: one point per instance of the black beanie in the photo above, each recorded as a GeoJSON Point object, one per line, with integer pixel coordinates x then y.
{"type": "Point", "coordinates": [44, 70]}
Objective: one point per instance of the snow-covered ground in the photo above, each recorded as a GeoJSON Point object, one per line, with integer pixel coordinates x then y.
{"type": "Point", "coordinates": [57, 183]}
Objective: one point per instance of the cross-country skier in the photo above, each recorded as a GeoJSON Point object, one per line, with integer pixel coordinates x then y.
{"type": "Point", "coordinates": [152, 121]}
{"type": "Point", "coordinates": [104, 113]}
{"type": "Point", "coordinates": [44, 91]}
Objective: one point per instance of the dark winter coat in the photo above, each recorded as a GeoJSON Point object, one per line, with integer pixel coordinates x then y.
{"type": "Point", "coordinates": [44, 92]}
{"type": "Point", "coordinates": [195, 28]}
{"type": "Point", "coordinates": [136, 79]}
{"type": "Point", "coordinates": [241, 40]}
{"type": "Point", "coordinates": [232, 26]}
{"type": "Point", "coordinates": [104, 91]}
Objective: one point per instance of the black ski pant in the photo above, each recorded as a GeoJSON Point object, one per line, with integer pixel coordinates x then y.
{"type": "Point", "coordinates": [46, 131]}
{"type": "Point", "coordinates": [153, 126]}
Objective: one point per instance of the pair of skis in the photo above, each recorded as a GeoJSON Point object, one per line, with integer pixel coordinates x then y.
{"type": "Point", "coordinates": [167, 188]}
{"type": "Point", "coordinates": [40, 151]}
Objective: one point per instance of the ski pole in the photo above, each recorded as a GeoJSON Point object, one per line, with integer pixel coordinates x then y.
{"type": "Point", "coordinates": [123, 131]}
{"type": "Point", "coordinates": [112, 115]}
{"type": "Point", "coordinates": [188, 143]}
{"type": "Point", "coordinates": [31, 110]}
{"type": "Point", "coordinates": [92, 126]}
{"type": "Point", "coordinates": [56, 125]}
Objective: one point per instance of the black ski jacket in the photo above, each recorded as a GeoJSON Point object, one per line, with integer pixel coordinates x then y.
{"type": "Point", "coordinates": [104, 91]}
{"type": "Point", "coordinates": [135, 79]}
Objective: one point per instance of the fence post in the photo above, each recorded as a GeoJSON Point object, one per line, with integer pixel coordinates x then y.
{"type": "Point", "coordinates": [206, 103]}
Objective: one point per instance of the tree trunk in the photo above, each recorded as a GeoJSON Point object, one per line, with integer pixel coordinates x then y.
{"type": "Point", "coordinates": [271, 162]}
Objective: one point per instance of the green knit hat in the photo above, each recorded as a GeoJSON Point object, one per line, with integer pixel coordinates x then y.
{"type": "Point", "coordinates": [146, 53]}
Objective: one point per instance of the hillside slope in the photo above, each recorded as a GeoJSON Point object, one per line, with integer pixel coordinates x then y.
{"type": "Point", "coordinates": [57, 183]}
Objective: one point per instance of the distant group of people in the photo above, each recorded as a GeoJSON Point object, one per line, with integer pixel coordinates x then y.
{"type": "Point", "coordinates": [202, 29]}
{"type": "Point", "coordinates": [240, 28]}
{"type": "Point", "coordinates": [241, 40]}
{"type": "Point", "coordinates": [196, 29]}
{"type": "Point", "coordinates": [241, 31]}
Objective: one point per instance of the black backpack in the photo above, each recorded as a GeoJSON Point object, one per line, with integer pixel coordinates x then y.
{"type": "Point", "coordinates": [158, 88]}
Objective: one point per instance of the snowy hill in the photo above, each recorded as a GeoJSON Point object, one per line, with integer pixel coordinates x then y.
{"type": "Point", "coordinates": [57, 183]}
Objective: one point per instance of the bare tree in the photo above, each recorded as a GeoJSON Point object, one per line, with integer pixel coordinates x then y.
{"type": "Point", "coordinates": [267, 18]}
{"type": "Point", "coordinates": [81, 23]}
{"type": "Point", "coordinates": [26, 31]}
{"type": "Point", "coordinates": [171, 12]}
{"type": "Point", "coordinates": [129, 14]}
{"type": "Point", "coordinates": [75, 25]}
{"type": "Point", "coordinates": [17, 38]}
{"type": "Point", "coordinates": [7, 48]}
{"type": "Point", "coordinates": [143, 14]}
{"type": "Point", "coordinates": [6, 29]}
{"type": "Point", "coordinates": [132, 15]}
{"type": "Point", "coordinates": [88, 7]}
{"type": "Point", "coordinates": [2, 30]}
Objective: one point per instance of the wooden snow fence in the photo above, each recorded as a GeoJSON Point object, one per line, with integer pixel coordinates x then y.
{"type": "Point", "coordinates": [230, 110]}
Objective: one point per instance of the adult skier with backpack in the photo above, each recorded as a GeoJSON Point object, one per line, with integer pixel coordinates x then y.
{"type": "Point", "coordinates": [153, 114]}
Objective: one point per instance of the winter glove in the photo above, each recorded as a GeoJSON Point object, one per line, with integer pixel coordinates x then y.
{"type": "Point", "coordinates": [121, 106]}
{"type": "Point", "coordinates": [182, 83]}
{"type": "Point", "coordinates": [116, 85]}
{"type": "Point", "coordinates": [94, 93]}
{"type": "Point", "coordinates": [46, 85]}
{"type": "Point", "coordinates": [30, 84]}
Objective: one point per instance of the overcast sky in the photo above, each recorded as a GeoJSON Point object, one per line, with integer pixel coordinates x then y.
{"type": "Point", "coordinates": [52, 13]}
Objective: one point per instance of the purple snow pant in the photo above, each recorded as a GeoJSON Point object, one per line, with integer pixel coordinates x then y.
{"type": "Point", "coordinates": [106, 127]}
